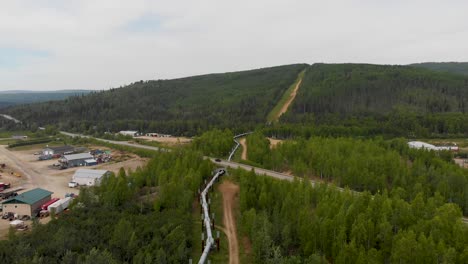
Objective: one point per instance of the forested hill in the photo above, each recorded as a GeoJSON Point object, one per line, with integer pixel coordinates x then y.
{"type": "Point", "coordinates": [453, 67]}
{"type": "Point", "coordinates": [400, 100]}
{"type": "Point", "coordinates": [9, 98]}
{"type": "Point", "coordinates": [179, 106]}
{"type": "Point", "coordinates": [376, 99]}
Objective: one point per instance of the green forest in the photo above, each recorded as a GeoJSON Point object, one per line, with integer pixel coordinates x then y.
{"type": "Point", "coordinates": [453, 67]}
{"type": "Point", "coordinates": [297, 223]}
{"type": "Point", "coordinates": [373, 165]}
{"type": "Point", "coordinates": [394, 100]}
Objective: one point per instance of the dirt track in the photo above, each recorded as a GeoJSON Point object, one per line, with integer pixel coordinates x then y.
{"type": "Point", "coordinates": [274, 142]}
{"type": "Point", "coordinates": [243, 143]}
{"type": "Point", "coordinates": [290, 100]}
{"type": "Point", "coordinates": [229, 191]}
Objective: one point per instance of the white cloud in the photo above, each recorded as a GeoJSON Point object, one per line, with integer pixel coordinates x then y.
{"type": "Point", "coordinates": [91, 45]}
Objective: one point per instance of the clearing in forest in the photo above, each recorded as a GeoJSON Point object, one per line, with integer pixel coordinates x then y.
{"type": "Point", "coordinates": [286, 100]}
{"type": "Point", "coordinates": [229, 191]}
{"type": "Point", "coordinates": [243, 143]}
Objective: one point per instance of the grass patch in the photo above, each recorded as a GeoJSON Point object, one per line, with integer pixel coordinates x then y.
{"type": "Point", "coordinates": [274, 114]}
{"type": "Point", "coordinates": [37, 146]}
{"type": "Point", "coordinates": [7, 141]}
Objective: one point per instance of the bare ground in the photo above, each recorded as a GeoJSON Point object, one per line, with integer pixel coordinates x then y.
{"type": "Point", "coordinates": [168, 140]}
{"type": "Point", "coordinates": [230, 191]}
{"type": "Point", "coordinates": [274, 142]}
{"type": "Point", "coordinates": [243, 143]}
{"type": "Point", "coordinates": [290, 100]}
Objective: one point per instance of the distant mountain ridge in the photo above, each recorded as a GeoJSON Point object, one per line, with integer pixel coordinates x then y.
{"type": "Point", "coordinates": [35, 92]}
{"type": "Point", "coordinates": [15, 97]}
{"type": "Point", "coordinates": [452, 67]}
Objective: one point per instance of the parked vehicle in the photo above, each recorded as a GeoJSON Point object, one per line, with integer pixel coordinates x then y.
{"type": "Point", "coordinates": [60, 205]}
{"type": "Point", "coordinates": [45, 157]}
{"type": "Point", "coordinates": [46, 205]}
{"type": "Point", "coordinates": [72, 184]}
{"type": "Point", "coordinates": [10, 216]}
{"type": "Point", "coordinates": [4, 186]}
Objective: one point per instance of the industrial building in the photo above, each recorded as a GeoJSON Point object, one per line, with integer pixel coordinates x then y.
{"type": "Point", "coordinates": [75, 160]}
{"type": "Point", "coordinates": [129, 133]}
{"type": "Point", "coordinates": [27, 203]}
{"type": "Point", "coordinates": [86, 177]}
{"type": "Point", "coordinates": [60, 150]}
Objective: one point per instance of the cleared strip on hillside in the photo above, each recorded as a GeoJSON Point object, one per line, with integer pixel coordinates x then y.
{"type": "Point", "coordinates": [286, 100]}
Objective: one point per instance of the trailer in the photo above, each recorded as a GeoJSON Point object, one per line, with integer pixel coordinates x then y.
{"type": "Point", "coordinates": [46, 205]}
{"type": "Point", "coordinates": [59, 205]}
{"type": "Point", "coordinates": [10, 192]}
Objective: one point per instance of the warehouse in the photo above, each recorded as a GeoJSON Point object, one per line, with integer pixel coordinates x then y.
{"type": "Point", "coordinates": [129, 133]}
{"type": "Point", "coordinates": [75, 160]}
{"type": "Point", "coordinates": [61, 150]}
{"type": "Point", "coordinates": [28, 203]}
{"type": "Point", "coordinates": [86, 177]}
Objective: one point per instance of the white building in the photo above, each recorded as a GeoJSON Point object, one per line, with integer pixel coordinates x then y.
{"type": "Point", "coordinates": [129, 133]}
{"type": "Point", "coordinates": [86, 177]}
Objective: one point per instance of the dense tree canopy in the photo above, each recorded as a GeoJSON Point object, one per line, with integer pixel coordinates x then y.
{"type": "Point", "coordinates": [297, 223]}
{"type": "Point", "coordinates": [397, 100]}
{"type": "Point", "coordinates": [373, 165]}
{"type": "Point", "coordinates": [453, 67]}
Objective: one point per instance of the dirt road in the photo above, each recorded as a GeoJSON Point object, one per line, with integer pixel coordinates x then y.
{"type": "Point", "coordinates": [290, 99]}
{"type": "Point", "coordinates": [230, 191]}
{"type": "Point", "coordinates": [32, 175]}
{"type": "Point", "coordinates": [243, 143]}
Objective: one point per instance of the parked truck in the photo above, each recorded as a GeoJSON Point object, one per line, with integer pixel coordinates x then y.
{"type": "Point", "coordinates": [4, 186]}
{"type": "Point", "coordinates": [45, 206]}
{"type": "Point", "coordinates": [60, 205]}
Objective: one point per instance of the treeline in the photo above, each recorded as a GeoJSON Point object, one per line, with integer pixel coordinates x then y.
{"type": "Point", "coordinates": [396, 100]}
{"type": "Point", "coordinates": [128, 219]}
{"type": "Point", "coordinates": [373, 165]}
{"type": "Point", "coordinates": [185, 106]}
{"type": "Point", "coordinates": [323, 225]}
{"type": "Point", "coordinates": [453, 67]}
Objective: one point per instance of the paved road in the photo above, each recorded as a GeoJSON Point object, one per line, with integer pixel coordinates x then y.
{"type": "Point", "coordinates": [123, 143]}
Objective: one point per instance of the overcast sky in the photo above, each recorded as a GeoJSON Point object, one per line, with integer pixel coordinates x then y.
{"type": "Point", "coordinates": [99, 44]}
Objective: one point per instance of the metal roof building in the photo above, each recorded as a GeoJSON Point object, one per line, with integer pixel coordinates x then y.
{"type": "Point", "coordinates": [58, 150]}
{"type": "Point", "coordinates": [77, 159]}
{"type": "Point", "coordinates": [86, 177]}
{"type": "Point", "coordinates": [27, 203]}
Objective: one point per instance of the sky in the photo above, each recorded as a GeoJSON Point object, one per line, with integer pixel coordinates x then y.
{"type": "Point", "coordinates": [101, 44]}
